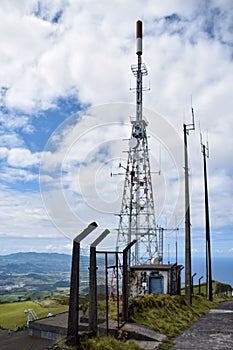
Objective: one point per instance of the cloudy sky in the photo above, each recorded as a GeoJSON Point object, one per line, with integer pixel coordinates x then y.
{"type": "Point", "coordinates": [65, 116]}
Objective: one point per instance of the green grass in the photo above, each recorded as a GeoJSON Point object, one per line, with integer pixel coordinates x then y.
{"type": "Point", "coordinates": [202, 289]}
{"type": "Point", "coordinates": [217, 287]}
{"type": "Point", "coordinates": [102, 343]}
{"type": "Point", "coordinates": [12, 315]}
{"type": "Point", "coordinates": [169, 315]}
{"type": "Point", "coordinates": [108, 343]}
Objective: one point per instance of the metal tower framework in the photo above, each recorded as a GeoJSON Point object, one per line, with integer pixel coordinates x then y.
{"type": "Point", "coordinates": [137, 216]}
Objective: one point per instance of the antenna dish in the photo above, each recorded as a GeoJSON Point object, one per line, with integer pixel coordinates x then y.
{"type": "Point", "coordinates": [133, 142]}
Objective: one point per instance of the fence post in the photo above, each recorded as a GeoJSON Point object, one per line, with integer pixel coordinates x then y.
{"type": "Point", "coordinates": [93, 284]}
{"type": "Point", "coordinates": [125, 282]}
{"type": "Point", "coordinates": [73, 316]}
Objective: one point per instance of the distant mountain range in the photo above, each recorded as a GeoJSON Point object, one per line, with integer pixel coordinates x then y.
{"type": "Point", "coordinates": [35, 262]}
{"type": "Point", "coordinates": [44, 263]}
{"type": "Point", "coordinates": [25, 276]}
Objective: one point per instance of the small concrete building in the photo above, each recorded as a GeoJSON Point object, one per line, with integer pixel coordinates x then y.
{"type": "Point", "coordinates": [155, 278]}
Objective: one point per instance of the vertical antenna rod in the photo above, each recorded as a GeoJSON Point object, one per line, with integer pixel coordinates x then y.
{"type": "Point", "coordinates": [139, 71]}
{"type": "Point", "coordinates": [188, 267]}
{"type": "Point", "coordinates": [188, 291]}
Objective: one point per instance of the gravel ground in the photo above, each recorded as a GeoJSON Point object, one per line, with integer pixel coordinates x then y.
{"type": "Point", "coordinates": [22, 341]}
{"type": "Point", "coordinates": [213, 331]}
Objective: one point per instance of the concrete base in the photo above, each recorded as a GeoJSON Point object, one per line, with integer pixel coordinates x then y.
{"type": "Point", "coordinates": [55, 327]}
{"type": "Point", "coordinates": [52, 328]}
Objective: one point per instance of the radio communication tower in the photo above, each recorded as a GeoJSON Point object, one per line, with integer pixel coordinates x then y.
{"type": "Point", "coordinates": [137, 215]}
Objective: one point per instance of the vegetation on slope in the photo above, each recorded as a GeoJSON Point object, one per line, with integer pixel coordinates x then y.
{"type": "Point", "coordinates": [221, 288]}
{"type": "Point", "coordinates": [218, 288]}
{"type": "Point", "coordinates": [169, 315]}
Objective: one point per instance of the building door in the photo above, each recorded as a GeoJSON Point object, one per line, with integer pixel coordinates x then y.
{"type": "Point", "coordinates": [156, 284]}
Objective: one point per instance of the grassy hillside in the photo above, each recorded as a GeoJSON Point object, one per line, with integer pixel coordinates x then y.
{"type": "Point", "coordinates": [217, 287]}
{"type": "Point", "coordinates": [12, 315]}
{"type": "Point", "coordinates": [169, 315]}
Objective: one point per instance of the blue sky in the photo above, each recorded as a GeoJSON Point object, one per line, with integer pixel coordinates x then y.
{"type": "Point", "coordinates": [66, 106]}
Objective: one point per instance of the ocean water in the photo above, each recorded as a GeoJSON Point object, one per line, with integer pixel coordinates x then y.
{"type": "Point", "coordinates": [222, 269]}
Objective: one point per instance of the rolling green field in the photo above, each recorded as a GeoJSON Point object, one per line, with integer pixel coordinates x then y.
{"type": "Point", "coordinates": [12, 315]}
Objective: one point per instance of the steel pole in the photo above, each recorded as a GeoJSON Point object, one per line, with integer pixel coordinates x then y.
{"type": "Point", "coordinates": [93, 321]}
{"type": "Point", "coordinates": [209, 293]}
{"type": "Point", "coordinates": [73, 316]}
{"type": "Point", "coordinates": [188, 294]}
{"type": "Point", "coordinates": [93, 292]}
{"type": "Point", "coordinates": [125, 281]}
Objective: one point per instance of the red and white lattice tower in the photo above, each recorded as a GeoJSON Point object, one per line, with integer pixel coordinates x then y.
{"type": "Point", "coordinates": [137, 216]}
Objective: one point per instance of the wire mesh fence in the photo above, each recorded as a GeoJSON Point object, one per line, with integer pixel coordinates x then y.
{"type": "Point", "coordinates": [100, 289]}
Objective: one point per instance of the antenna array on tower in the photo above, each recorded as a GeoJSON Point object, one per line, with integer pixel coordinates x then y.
{"type": "Point", "coordinates": [137, 215]}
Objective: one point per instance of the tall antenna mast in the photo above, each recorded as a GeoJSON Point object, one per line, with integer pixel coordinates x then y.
{"type": "Point", "coordinates": [137, 216]}
{"type": "Point", "coordinates": [209, 292]}
{"type": "Point", "coordinates": [188, 267]}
